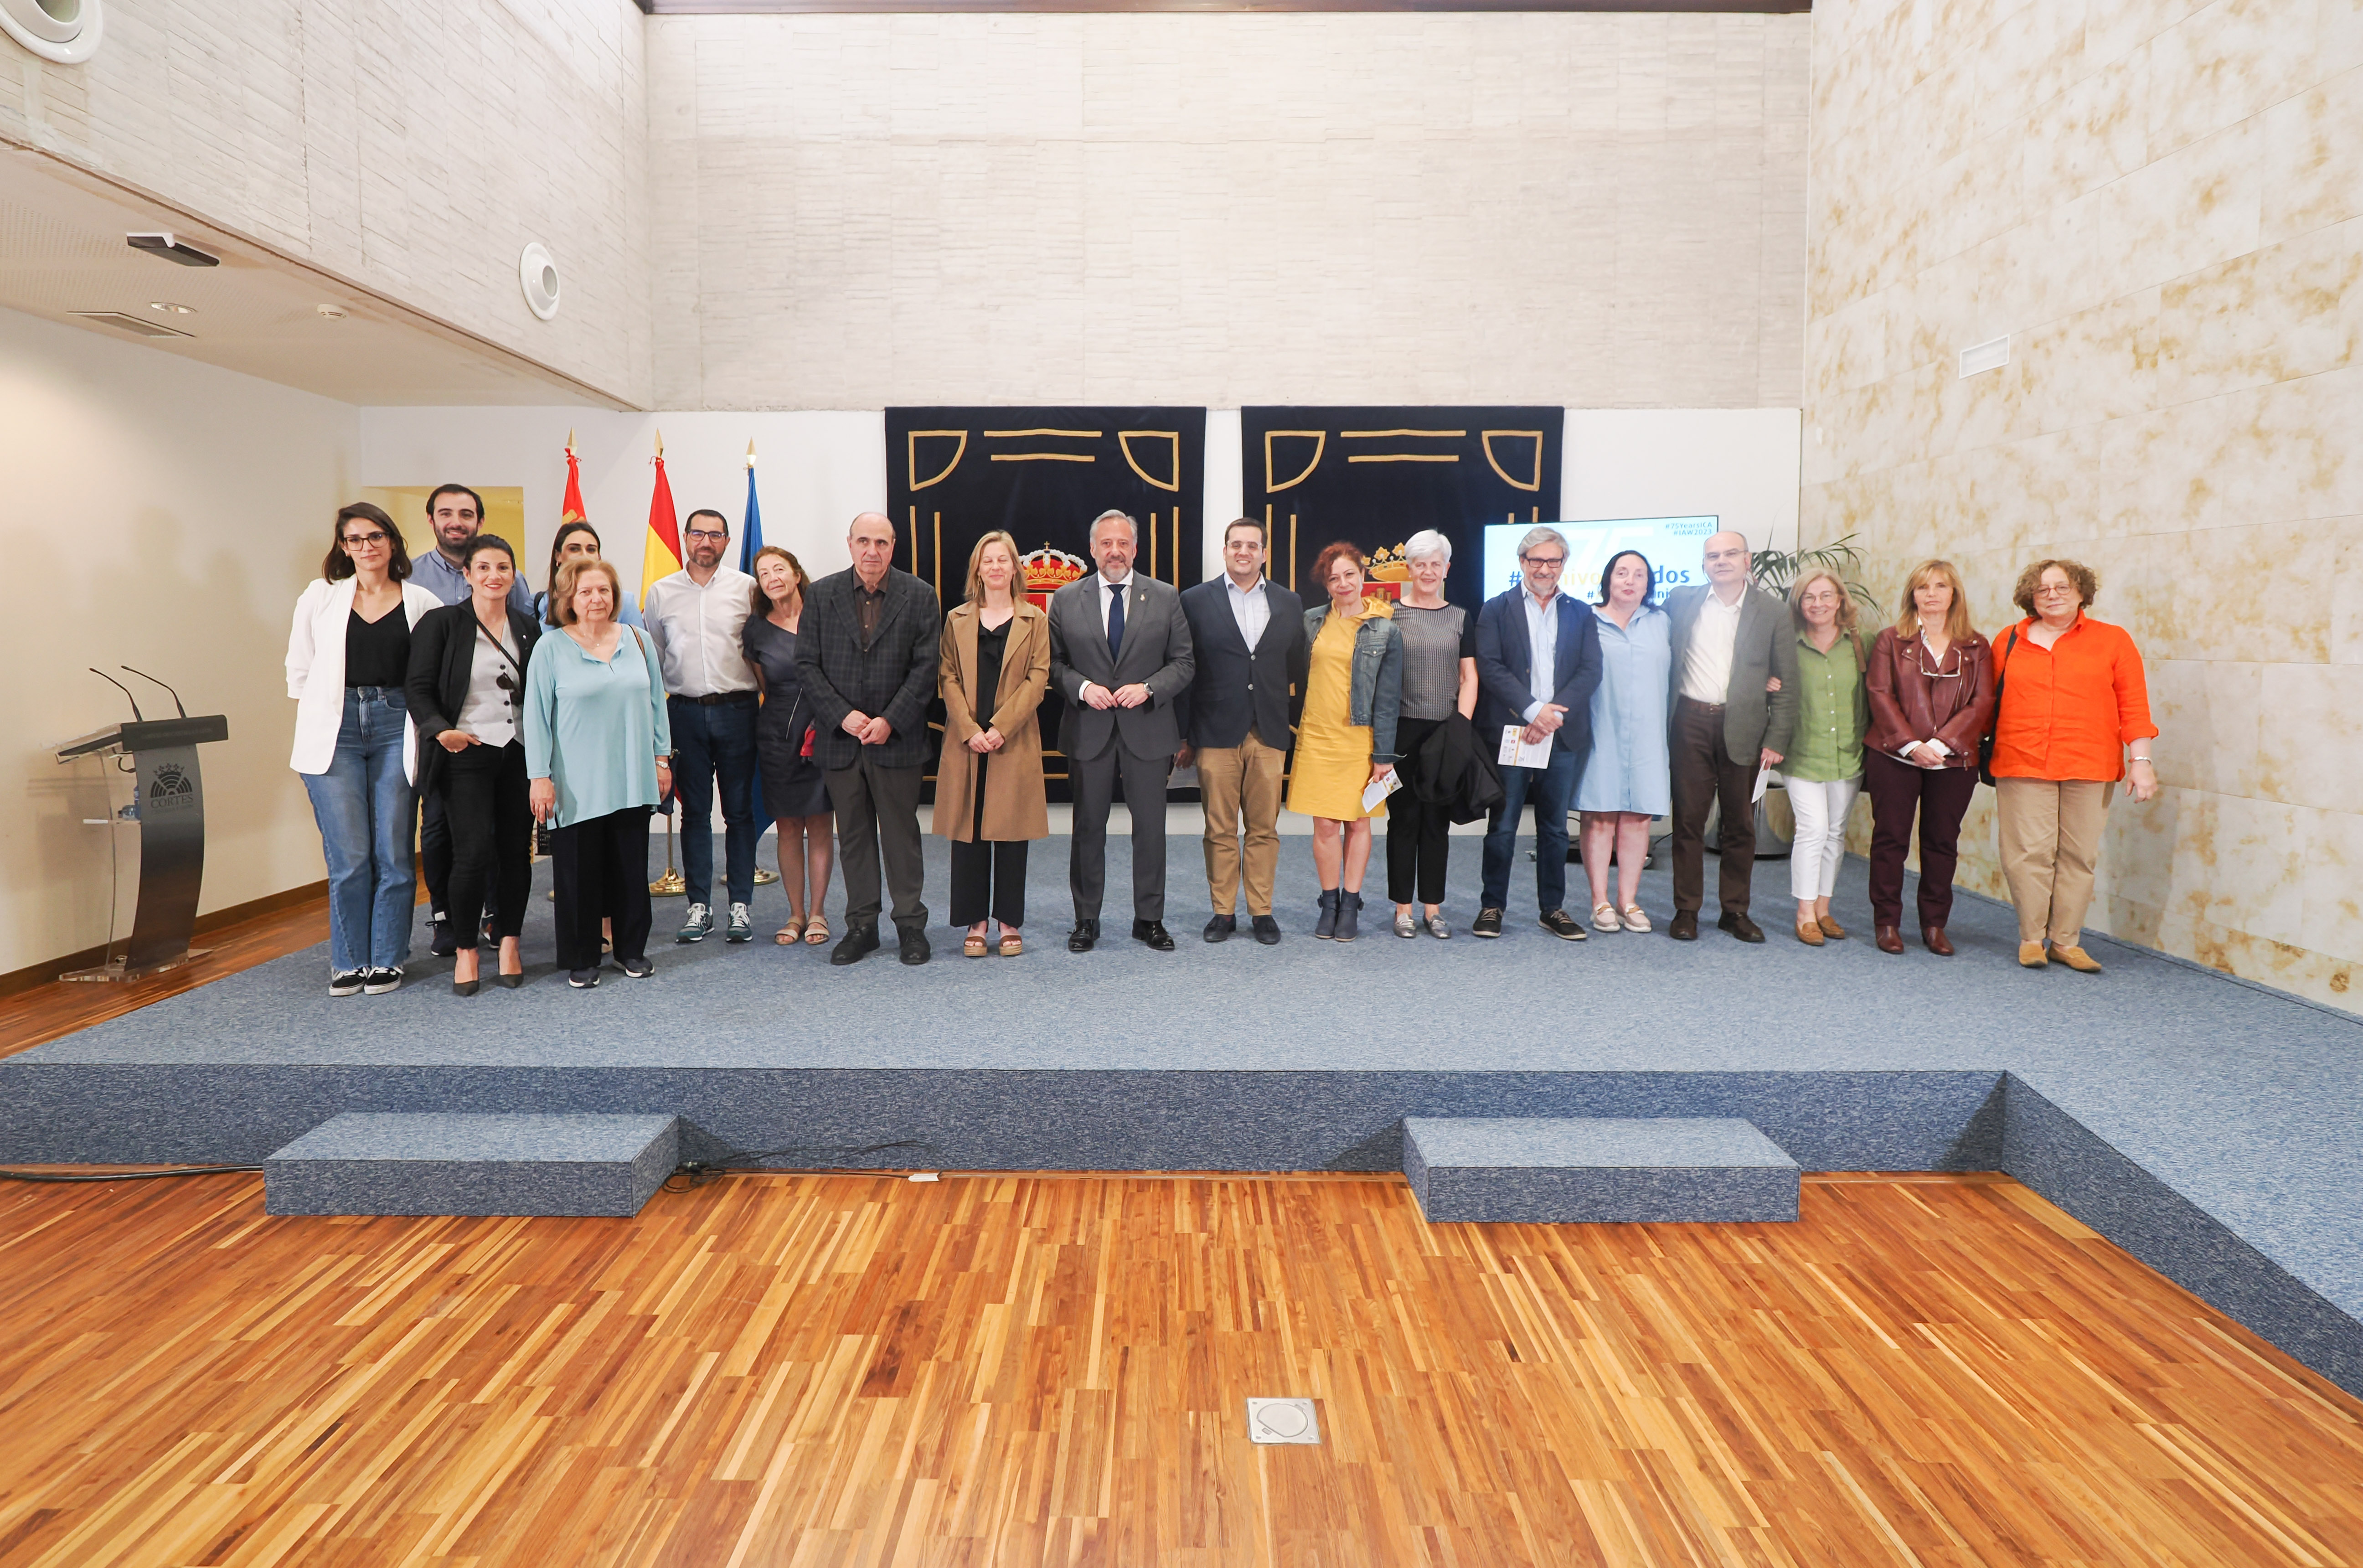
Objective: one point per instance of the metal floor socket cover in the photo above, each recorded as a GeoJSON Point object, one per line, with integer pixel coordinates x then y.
{"type": "Point", "coordinates": [1282, 1421]}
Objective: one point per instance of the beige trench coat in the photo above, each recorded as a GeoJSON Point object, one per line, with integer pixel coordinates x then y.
{"type": "Point", "coordinates": [1014, 802]}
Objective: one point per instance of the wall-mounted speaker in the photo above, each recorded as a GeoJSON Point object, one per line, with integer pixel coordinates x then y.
{"type": "Point", "coordinates": [64, 30]}
{"type": "Point", "coordinates": [537, 274]}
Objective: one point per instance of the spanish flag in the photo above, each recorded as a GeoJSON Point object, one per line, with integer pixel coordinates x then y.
{"type": "Point", "coordinates": [661, 555]}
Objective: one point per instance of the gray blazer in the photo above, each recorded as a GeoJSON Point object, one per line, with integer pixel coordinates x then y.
{"type": "Point", "coordinates": [1754, 720]}
{"type": "Point", "coordinates": [1156, 653]}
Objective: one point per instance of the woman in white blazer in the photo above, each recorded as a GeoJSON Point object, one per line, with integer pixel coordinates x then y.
{"type": "Point", "coordinates": [348, 654]}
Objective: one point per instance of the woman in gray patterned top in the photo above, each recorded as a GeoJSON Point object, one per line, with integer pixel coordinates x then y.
{"type": "Point", "coordinates": [1439, 675]}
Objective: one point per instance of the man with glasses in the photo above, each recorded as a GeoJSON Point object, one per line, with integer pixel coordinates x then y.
{"type": "Point", "coordinates": [1735, 672]}
{"type": "Point", "coordinates": [1537, 661]}
{"type": "Point", "coordinates": [695, 618]}
{"type": "Point", "coordinates": [457, 514]}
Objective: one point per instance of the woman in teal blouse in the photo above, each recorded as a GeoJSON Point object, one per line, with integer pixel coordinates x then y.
{"type": "Point", "coordinates": [1823, 769]}
{"type": "Point", "coordinates": [598, 751]}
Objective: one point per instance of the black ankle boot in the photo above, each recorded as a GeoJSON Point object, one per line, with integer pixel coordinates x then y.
{"type": "Point", "coordinates": [1327, 927]}
{"type": "Point", "coordinates": [1349, 916]}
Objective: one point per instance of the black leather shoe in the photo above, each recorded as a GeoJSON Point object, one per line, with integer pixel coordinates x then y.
{"type": "Point", "coordinates": [915, 945]}
{"type": "Point", "coordinates": [465, 987]}
{"type": "Point", "coordinates": [1487, 924]}
{"type": "Point", "coordinates": [1220, 927]}
{"type": "Point", "coordinates": [1082, 938]}
{"type": "Point", "coordinates": [1736, 922]}
{"type": "Point", "coordinates": [1267, 929]}
{"type": "Point", "coordinates": [1153, 932]}
{"type": "Point", "coordinates": [1561, 924]}
{"type": "Point", "coordinates": [509, 982]}
{"type": "Point", "coordinates": [440, 940]}
{"type": "Point", "coordinates": [859, 944]}
{"type": "Point", "coordinates": [1683, 927]}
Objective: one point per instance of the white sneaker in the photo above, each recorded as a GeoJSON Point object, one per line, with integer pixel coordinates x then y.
{"type": "Point", "coordinates": [698, 927]}
{"type": "Point", "coordinates": [743, 924]}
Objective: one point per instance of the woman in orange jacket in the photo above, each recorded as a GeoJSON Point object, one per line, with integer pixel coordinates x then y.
{"type": "Point", "coordinates": [2074, 703]}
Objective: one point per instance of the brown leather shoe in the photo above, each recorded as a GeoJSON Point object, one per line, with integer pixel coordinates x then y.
{"type": "Point", "coordinates": [1810, 933]}
{"type": "Point", "coordinates": [1934, 939]}
{"type": "Point", "coordinates": [2032, 955]}
{"type": "Point", "coordinates": [2077, 959]}
{"type": "Point", "coordinates": [1889, 939]}
{"type": "Point", "coordinates": [1832, 930]}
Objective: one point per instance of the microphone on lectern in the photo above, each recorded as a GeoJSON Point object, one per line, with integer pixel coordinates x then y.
{"type": "Point", "coordinates": [145, 676]}
{"type": "Point", "coordinates": [136, 715]}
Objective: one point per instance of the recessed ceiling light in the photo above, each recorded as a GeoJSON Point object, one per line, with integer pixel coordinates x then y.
{"type": "Point", "coordinates": [167, 306]}
{"type": "Point", "coordinates": [333, 312]}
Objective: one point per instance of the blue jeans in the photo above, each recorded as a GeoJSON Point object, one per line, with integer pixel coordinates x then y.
{"type": "Point", "coordinates": [366, 810]}
{"type": "Point", "coordinates": [711, 741]}
{"type": "Point", "coordinates": [1552, 790]}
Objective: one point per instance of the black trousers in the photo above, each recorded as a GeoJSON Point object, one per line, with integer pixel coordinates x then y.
{"type": "Point", "coordinates": [1941, 797]}
{"type": "Point", "coordinates": [484, 805]}
{"type": "Point", "coordinates": [600, 870]}
{"type": "Point", "coordinates": [1418, 832]}
{"type": "Point", "coordinates": [1703, 771]}
{"type": "Point", "coordinates": [434, 847]}
{"type": "Point", "coordinates": [878, 814]}
{"type": "Point", "coordinates": [988, 876]}
{"type": "Point", "coordinates": [1095, 780]}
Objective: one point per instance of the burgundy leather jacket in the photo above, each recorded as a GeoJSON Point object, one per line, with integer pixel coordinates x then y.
{"type": "Point", "coordinates": [1912, 700]}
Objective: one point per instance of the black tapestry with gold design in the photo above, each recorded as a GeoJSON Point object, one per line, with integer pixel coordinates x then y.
{"type": "Point", "coordinates": [1376, 477]}
{"type": "Point", "coordinates": [955, 475]}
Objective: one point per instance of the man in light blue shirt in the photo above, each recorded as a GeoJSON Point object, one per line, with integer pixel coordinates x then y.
{"type": "Point", "coordinates": [1537, 661]}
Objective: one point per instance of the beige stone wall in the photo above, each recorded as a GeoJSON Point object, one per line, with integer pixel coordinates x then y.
{"type": "Point", "coordinates": [2161, 203]}
{"type": "Point", "coordinates": [1606, 211]}
{"type": "Point", "coordinates": [411, 149]}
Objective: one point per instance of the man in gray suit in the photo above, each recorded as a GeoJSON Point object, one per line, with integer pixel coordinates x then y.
{"type": "Point", "coordinates": [1120, 655]}
{"type": "Point", "coordinates": [1734, 711]}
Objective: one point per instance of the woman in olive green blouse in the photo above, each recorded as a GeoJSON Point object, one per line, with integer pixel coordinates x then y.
{"type": "Point", "coordinates": [1823, 769]}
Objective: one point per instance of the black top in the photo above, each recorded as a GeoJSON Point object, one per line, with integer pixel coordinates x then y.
{"type": "Point", "coordinates": [772, 651]}
{"type": "Point", "coordinates": [377, 653]}
{"type": "Point", "coordinates": [992, 643]}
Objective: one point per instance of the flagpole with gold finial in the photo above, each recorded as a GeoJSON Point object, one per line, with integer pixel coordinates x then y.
{"type": "Point", "coordinates": [764, 875]}
{"type": "Point", "coordinates": [672, 885]}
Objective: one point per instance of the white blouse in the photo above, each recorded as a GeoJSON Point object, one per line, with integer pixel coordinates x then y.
{"type": "Point", "coordinates": [488, 712]}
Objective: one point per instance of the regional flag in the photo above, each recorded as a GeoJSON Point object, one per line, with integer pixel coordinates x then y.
{"type": "Point", "coordinates": [661, 555]}
{"type": "Point", "coordinates": [572, 509]}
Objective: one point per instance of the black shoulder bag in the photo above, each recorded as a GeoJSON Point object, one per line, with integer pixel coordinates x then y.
{"type": "Point", "coordinates": [1986, 741]}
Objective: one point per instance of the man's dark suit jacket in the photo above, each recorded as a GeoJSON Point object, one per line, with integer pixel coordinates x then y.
{"type": "Point", "coordinates": [442, 657]}
{"type": "Point", "coordinates": [1233, 687]}
{"type": "Point", "coordinates": [1754, 720]}
{"type": "Point", "coordinates": [1155, 654]}
{"type": "Point", "coordinates": [1506, 659]}
{"type": "Point", "coordinates": [893, 676]}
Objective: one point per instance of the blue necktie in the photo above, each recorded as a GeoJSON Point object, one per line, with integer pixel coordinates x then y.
{"type": "Point", "coordinates": [1116, 621]}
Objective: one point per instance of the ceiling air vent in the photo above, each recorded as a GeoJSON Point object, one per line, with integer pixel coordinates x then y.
{"type": "Point", "coordinates": [139, 326]}
{"type": "Point", "coordinates": [64, 30]}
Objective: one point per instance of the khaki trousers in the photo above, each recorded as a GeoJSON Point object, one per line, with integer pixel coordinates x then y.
{"type": "Point", "coordinates": [1229, 778]}
{"type": "Point", "coordinates": [2050, 839]}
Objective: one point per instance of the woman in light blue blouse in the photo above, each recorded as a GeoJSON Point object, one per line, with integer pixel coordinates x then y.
{"type": "Point", "coordinates": [1627, 779]}
{"type": "Point", "coordinates": [598, 751]}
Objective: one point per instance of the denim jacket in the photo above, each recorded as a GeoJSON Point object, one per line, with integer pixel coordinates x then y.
{"type": "Point", "coordinates": [1377, 699]}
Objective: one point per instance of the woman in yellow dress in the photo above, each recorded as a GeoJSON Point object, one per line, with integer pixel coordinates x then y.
{"type": "Point", "coordinates": [1346, 741]}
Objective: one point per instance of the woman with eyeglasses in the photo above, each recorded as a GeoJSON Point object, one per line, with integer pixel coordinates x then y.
{"type": "Point", "coordinates": [2073, 701]}
{"type": "Point", "coordinates": [348, 656]}
{"type": "Point", "coordinates": [467, 682]}
{"type": "Point", "coordinates": [1932, 701]}
{"type": "Point", "coordinates": [1823, 770]}
{"type": "Point", "coordinates": [577, 540]}
{"type": "Point", "coordinates": [1627, 779]}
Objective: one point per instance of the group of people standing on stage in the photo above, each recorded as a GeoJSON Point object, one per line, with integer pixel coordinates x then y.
{"type": "Point", "coordinates": [445, 683]}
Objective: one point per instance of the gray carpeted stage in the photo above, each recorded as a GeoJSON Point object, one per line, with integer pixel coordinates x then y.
{"type": "Point", "coordinates": [2206, 1125]}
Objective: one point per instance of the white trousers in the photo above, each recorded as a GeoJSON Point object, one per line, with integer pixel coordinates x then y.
{"type": "Point", "coordinates": [1820, 843]}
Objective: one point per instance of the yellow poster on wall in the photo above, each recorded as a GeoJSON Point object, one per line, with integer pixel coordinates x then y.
{"type": "Point", "coordinates": [504, 515]}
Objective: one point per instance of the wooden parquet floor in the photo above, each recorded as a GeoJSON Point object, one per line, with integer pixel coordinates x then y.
{"type": "Point", "coordinates": [1023, 1370]}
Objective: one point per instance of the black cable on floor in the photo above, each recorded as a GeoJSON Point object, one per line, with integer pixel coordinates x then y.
{"type": "Point", "coordinates": [740, 1162]}
{"type": "Point", "coordinates": [125, 1175]}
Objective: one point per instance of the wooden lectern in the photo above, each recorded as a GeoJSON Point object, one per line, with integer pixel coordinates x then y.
{"type": "Point", "coordinates": [171, 806]}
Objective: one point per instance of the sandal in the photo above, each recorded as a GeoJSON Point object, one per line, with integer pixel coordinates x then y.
{"type": "Point", "coordinates": [1012, 945]}
{"type": "Point", "coordinates": [972, 945]}
{"type": "Point", "coordinates": [790, 934]}
{"type": "Point", "coordinates": [815, 930]}
{"type": "Point", "coordinates": [1604, 917]}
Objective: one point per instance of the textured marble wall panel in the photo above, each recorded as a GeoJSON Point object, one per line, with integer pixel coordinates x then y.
{"type": "Point", "coordinates": [2161, 203]}
{"type": "Point", "coordinates": [1605, 210]}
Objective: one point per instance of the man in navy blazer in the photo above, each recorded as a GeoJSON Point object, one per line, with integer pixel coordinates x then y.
{"type": "Point", "coordinates": [1550, 699]}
